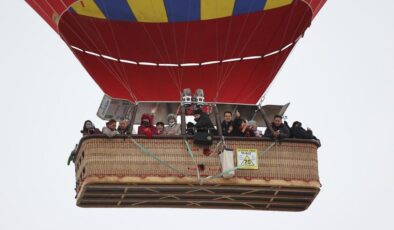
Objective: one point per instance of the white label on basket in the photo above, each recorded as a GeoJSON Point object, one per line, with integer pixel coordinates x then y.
{"type": "Point", "coordinates": [247, 159]}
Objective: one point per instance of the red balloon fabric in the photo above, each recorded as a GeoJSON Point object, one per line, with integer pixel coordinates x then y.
{"type": "Point", "coordinates": [233, 59]}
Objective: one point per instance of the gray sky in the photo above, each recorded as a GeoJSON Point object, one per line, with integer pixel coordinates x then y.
{"type": "Point", "coordinates": [339, 80]}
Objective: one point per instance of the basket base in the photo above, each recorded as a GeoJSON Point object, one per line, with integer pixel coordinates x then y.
{"type": "Point", "coordinates": [155, 195]}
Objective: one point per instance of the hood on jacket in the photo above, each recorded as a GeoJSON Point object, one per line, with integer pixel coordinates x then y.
{"type": "Point", "coordinates": [146, 116]}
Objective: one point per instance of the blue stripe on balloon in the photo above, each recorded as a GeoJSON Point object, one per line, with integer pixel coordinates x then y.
{"type": "Point", "coordinates": [116, 10]}
{"type": "Point", "coordinates": [248, 6]}
{"type": "Point", "coordinates": [182, 10]}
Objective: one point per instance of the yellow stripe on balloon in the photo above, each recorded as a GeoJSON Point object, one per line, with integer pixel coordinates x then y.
{"type": "Point", "coordinates": [88, 8]}
{"type": "Point", "coordinates": [148, 10]}
{"type": "Point", "coordinates": [211, 9]}
{"type": "Point", "coordinates": [272, 4]}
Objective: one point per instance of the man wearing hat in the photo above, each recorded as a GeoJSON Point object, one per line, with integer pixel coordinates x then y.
{"type": "Point", "coordinates": [110, 128]}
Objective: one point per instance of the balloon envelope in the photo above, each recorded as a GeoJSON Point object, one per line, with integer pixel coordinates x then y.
{"type": "Point", "coordinates": [151, 50]}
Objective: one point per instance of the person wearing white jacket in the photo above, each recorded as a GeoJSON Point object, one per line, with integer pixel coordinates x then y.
{"type": "Point", "coordinates": [173, 128]}
{"type": "Point", "coordinates": [110, 128]}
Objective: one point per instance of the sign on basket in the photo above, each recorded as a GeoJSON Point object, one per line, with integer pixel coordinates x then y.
{"type": "Point", "coordinates": [247, 159]}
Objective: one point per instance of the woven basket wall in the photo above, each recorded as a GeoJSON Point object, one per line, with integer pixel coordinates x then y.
{"type": "Point", "coordinates": [121, 157]}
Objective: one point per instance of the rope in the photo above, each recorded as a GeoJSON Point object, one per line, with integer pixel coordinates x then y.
{"type": "Point", "coordinates": [106, 64]}
{"type": "Point", "coordinates": [222, 173]}
{"type": "Point", "coordinates": [118, 52]}
{"type": "Point", "coordinates": [215, 150]}
{"type": "Point", "coordinates": [154, 45]}
{"type": "Point", "coordinates": [271, 40]}
{"type": "Point", "coordinates": [154, 156]}
{"type": "Point", "coordinates": [254, 114]}
{"type": "Point", "coordinates": [276, 57]}
{"type": "Point", "coordinates": [294, 44]}
{"type": "Point", "coordinates": [190, 152]}
{"type": "Point", "coordinates": [181, 70]}
{"type": "Point", "coordinates": [222, 76]}
{"type": "Point", "coordinates": [122, 79]}
{"type": "Point", "coordinates": [227, 72]}
{"type": "Point", "coordinates": [268, 148]}
{"type": "Point", "coordinates": [223, 140]}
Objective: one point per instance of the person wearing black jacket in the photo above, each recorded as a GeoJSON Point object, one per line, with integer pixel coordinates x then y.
{"type": "Point", "coordinates": [299, 132]}
{"type": "Point", "coordinates": [240, 127]}
{"type": "Point", "coordinates": [203, 123]}
{"type": "Point", "coordinates": [89, 128]}
{"type": "Point", "coordinates": [280, 130]}
{"type": "Point", "coordinates": [227, 124]}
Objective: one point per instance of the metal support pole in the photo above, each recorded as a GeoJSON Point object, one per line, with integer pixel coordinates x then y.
{"type": "Point", "coordinates": [183, 120]}
{"type": "Point", "coordinates": [132, 119]}
{"type": "Point", "coordinates": [264, 115]}
{"type": "Point", "coordinates": [218, 121]}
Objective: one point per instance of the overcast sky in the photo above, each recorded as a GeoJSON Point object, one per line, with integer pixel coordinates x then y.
{"type": "Point", "coordinates": [339, 80]}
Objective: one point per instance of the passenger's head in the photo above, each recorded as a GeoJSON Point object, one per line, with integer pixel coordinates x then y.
{"type": "Point", "coordinates": [160, 127]}
{"type": "Point", "coordinates": [296, 124]}
{"type": "Point", "coordinates": [197, 114]}
{"type": "Point", "coordinates": [277, 120]}
{"type": "Point", "coordinates": [145, 120]}
{"type": "Point", "coordinates": [88, 125]}
{"type": "Point", "coordinates": [111, 124]}
{"type": "Point", "coordinates": [253, 125]}
{"type": "Point", "coordinates": [171, 118]}
{"type": "Point", "coordinates": [227, 116]}
{"type": "Point", "coordinates": [123, 124]}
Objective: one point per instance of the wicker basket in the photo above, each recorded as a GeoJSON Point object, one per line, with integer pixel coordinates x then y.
{"type": "Point", "coordinates": [116, 172]}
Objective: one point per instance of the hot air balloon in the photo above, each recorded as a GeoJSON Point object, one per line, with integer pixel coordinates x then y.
{"type": "Point", "coordinates": [151, 55]}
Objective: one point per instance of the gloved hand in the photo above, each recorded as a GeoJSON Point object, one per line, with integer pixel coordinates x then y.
{"type": "Point", "coordinates": [71, 158]}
